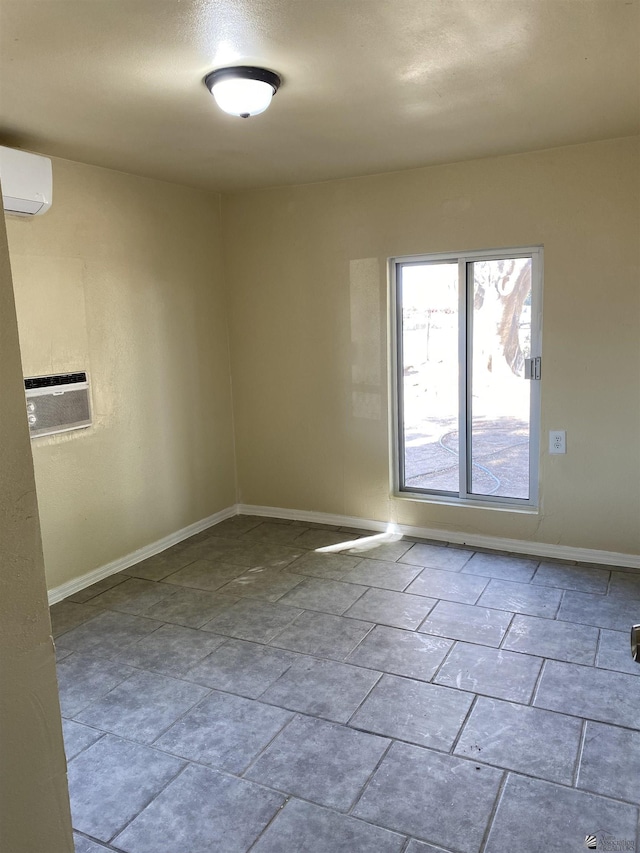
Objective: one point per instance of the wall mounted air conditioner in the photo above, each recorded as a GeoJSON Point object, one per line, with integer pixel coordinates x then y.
{"type": "Point", "coordinates": [27, 182]}
{"type": "Point", "coordinates": [57, 403]}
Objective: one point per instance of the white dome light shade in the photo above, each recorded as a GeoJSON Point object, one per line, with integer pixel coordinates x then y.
{"type": "Point", "coordinates": [242, 97]}
{"type": "Point", "coordinates": [242, 91]}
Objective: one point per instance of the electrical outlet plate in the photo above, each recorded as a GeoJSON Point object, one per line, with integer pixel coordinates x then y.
{"type": "Point", "coordinates": [557, 441]}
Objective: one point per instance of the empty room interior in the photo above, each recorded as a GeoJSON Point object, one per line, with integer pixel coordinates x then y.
{"type": "Point", "coordinates": [320, 433]}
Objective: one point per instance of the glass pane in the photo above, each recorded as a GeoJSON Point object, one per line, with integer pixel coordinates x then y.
{"type": "Point", "coordinates": [430, 376]}
{"type": "Point", "coordinates": [500, 399]}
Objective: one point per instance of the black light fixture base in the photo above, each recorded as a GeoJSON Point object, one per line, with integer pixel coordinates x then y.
{"type": "Point", "coordinates": [243, 72]}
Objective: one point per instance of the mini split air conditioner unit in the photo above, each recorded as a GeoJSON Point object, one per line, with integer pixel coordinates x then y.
{"type": "Point", "coordinates": [26, 182]}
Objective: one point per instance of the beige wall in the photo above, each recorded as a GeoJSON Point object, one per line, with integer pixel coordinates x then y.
{"type": "Point", "coordinates": [306, 277]}
{"type": "Point", "coordinates": [122, 278]}
{"type": "Point", "coordinates": [34, 802]}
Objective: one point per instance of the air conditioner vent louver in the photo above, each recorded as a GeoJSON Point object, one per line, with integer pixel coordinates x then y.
{"type": "Point", "coordinates": [57, 403]}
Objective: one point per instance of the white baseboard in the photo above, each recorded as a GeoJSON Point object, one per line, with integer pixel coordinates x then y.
{"type": "Point", "coordinates": [516, 546]}
{"type": "Point", "coordinates": [75, 585]}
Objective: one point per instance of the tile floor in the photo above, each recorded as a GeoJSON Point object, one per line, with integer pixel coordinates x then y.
{"type": "Point", "coordinates": [243, 692]}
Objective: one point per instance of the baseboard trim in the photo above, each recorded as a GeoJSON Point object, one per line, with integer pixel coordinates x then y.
{"type": "Point", "coordinates": [478, 540]}
{"type": "Point", "coordinates": [66, 589]}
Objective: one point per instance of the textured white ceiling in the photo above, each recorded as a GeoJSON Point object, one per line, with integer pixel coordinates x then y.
{"type": "Point", "coordinates": [369, 85]}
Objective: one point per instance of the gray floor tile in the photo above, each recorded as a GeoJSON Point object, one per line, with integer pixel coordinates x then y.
{"type": "Point", "coordinates": [420, 847]}
{"type": "Point", "coordinates": [535, 742]}
{"type": "Point", "coordinates": [399, 652]}
{"type": "Point", "coordinates": [61, 654]}
{"type": "Point", "coordinates": [134, 596]}
{"type": "Point", "coordinates": [267, 584]}
{"type": "Point", "coordinates": [142, 707]}
{"type": "Point", "coordinates": [200, 812]}
{"type": "Point", "coordinates": [77, 737]}
{"type": "Point", "coordinates": [251, 619]}
{"type": "Point", "coordinates": [108, 633]}
{"type": "Point", "coordinates": [389, 551]}
{"type": "Point", "coordinates": [225, 731]}
{"type": "Point", "coordinates": [550, 638]}
{"type": "Point", "coordinates": [323, 595]}
{"type": "Point", "coordinates": [383, 574]}
{"type": "Point", "coordinates": [614, 652]}
{"type": "Point", "coordinates": [243, 668]}
{"type": "Point", "coordinates": [85, 845]}
{"type": "Point", "coordinates": [451, 586]}
{"type": "Point", "coordinates": [191, 607]}
{"type": "Point", "coordinates": [322, 688]}
{"type": "Point", "coordinates": [326, 763]}
{"type": "Point", "coordinates": [312, 539]}
{"type": "Point", "coordinates": [492, 672]}
{"type": "Point", "coordinates": [171, 650]}
{"type": "Point", "coordinates": [323, 635]}
{"type": "Point", "coordinates": [436, 557]}
{"type": "Point", "coordinates": [281, 534]}
{"type": "Point", "coordinates": [84, 678]}
{"type": "Point", "coordinates": [459, 793]}
{"type": "Point", "coordinates": [531, 809]}
{"type": "Point", "coordinates": [328, 566]}
{"type": "Point", "coordinates": [610, 762]}
{"type": "Point", "coordinates": [625, 585]}
{"type": "Point", "coordinates": [90, 592]}
{"type": "Point", "coordinates": [305, 828]}
{"type": "Point", "coordinates": [571, 577]}
{"type": "Point", "coordinates": [604, 611]}
{"type": "Point", "coordinates": [161, 565]}
{"type": "Point", "coordinates": [396, 609]}
{"type": "Point", "coordinates": [596, 694]}
{"type": "Point", "coordinates": [66, 615]}
{"type": "Point", "coordinates": [467, 622]}
{"type": "Point", "coordinates": [111, 781]}
{"type": "Point", "coordinates": [522, 598]}
{"type": "Point", "coordinates": [235, 526]}
{"type": "Point", "coordinates": [268, 556]}
{"type": "Point", "coordinates": [218, 549]}
{"type": "Point", "coordinates": [500, 566]}
{"type": "Point", "coordinates": [205, 574]}
{"type": "Point", "coordinates": [424, 714]}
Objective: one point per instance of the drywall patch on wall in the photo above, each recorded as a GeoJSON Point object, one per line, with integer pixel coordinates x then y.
{"type": "Point", "coordinates": [366, 320]}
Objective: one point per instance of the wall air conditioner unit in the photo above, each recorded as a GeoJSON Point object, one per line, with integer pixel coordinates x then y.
{"type": "Point", "coordinates": [26, 182]}
{"type": "Point", "coordinates": [57, 403]}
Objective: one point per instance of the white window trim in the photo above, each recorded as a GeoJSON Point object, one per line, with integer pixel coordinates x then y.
{"type": "Point", "coordinates": [518, 505]}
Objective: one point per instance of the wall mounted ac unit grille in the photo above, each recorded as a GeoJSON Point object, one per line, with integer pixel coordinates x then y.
{"type": "Point", "coordinates": [57, 403]}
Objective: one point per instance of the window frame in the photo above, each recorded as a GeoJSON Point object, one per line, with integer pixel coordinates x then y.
{"type": "Point", "coordinates": [464, 260]}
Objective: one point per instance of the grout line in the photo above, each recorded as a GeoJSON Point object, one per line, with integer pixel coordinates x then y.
{"type": "Point", "coordinates": [536, 686]}
{"type": "Point", "coordinates": [97, 841]}
{"type": "Point", "coordinates": [153, 798]}
{"type": "Point", "coordinates": [443, 661]}
{"type": "Point", "coordinates": [472, 706]}
{"type": "Point", "coordinates": [364, 787]}
{"type": "Point", "coordinates": [507, 629]}
{"type": "Point", "coordinates": [598, 645]}
{"type": "Point", "coordinates": [368, 693]}
{"type": "Point", "coordinates": [578, 761]}
{"type": "Point", "coordinates": [264, 829]}
{"type": "Point", "coordinates": [494, 811]}
{"type": "Point", "coordinates": [262, 751]}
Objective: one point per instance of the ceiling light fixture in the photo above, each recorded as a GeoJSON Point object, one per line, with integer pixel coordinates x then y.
{"type": "Point", "coordinates": [243, 90]}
